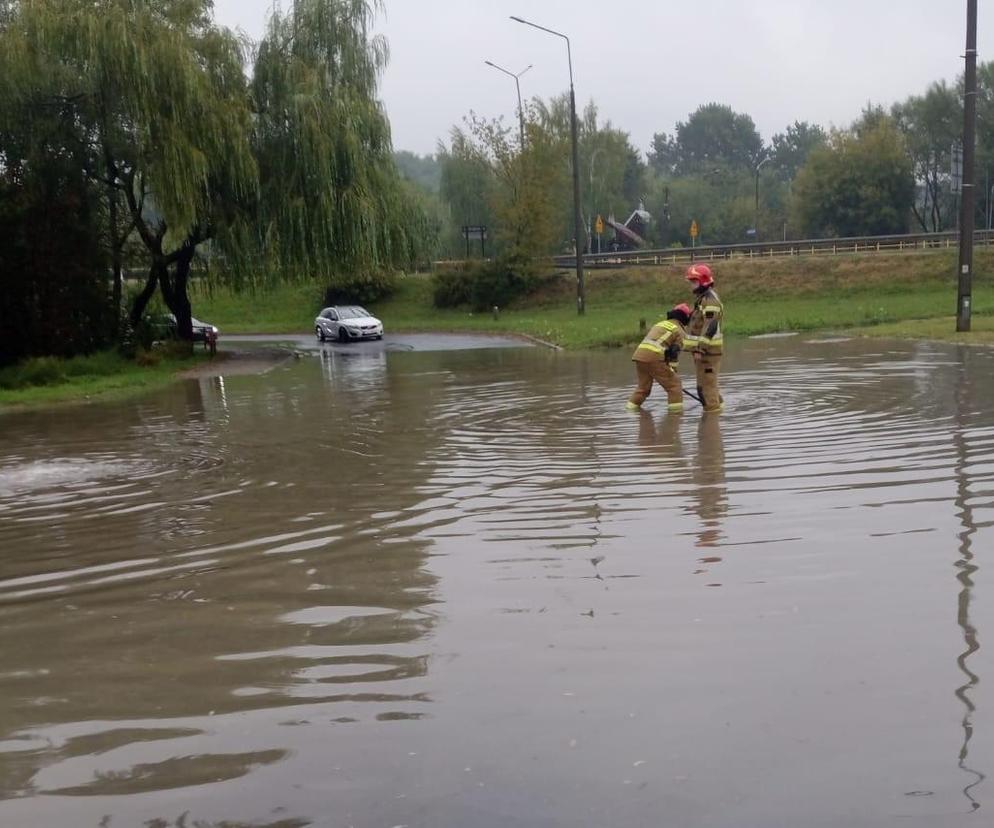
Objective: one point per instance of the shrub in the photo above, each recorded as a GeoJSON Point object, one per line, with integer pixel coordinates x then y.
{"type": "Point", "coordinates": [56, 297]}
{"type": "Point", "coordinates": [360, 288]}
{"type": "Point", "coordinates": [147, 359]}
{"type": "Point", "coordinates": [36, 371]}
{"type": "Point", "coordinates": [452, 286]}
{"type": "Point", "coordinates": [481, 285]}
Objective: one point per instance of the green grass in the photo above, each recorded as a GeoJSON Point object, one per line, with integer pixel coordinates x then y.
{"type": "Point", "coordinates": [284, 309]}
{"type": "Point", "coordinates": [941, 329]}
{"type": "Point", "coordinates": [761, 296]}
{"type": "Point", "coordinates": [44, 380]}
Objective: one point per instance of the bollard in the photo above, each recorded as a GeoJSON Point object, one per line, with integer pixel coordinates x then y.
{"type": "Point", "coordinates": [496, 312]}
{"type": "Point", "coordinates": [642, 326]}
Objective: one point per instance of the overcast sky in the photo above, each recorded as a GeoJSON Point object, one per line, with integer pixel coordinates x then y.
{"type": "Point", "coordinates": [777, 60]}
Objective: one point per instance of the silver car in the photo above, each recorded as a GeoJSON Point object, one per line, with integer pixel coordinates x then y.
{"type": "Point", "coordinates": [347, 323]}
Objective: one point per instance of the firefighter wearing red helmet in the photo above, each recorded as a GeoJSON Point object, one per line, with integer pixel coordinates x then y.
{"type": "Point", "coordinates": [705, 338]}
{"type": "Point", "coordinates": [656, 359]}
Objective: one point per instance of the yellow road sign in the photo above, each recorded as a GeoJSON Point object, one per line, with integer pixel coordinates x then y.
{"type": "Point", "coordinates": [599, 225]}
{"type": "Point", "coordinates": [693, 229]}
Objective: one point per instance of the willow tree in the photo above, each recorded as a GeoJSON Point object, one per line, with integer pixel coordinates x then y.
{"type": "Point", "coordinates": [332, 204]}
{"type": "Point", "coordinates": [155, 98]}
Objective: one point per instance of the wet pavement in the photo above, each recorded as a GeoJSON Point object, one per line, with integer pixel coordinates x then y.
{"type": "Point", "coordinates": [390, 342]}
{"type": "Point", "coordinates": [441, 588]}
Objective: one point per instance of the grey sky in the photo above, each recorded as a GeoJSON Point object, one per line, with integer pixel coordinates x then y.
{"type": "Point", "coordinates": [777, 60]}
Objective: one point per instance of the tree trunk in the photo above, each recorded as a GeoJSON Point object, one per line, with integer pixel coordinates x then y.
{"type": "Point", "coordinates": [116, 250]}
{"type": "Point", "coordinates": [181, 300]}
{"type": "Point", "coordinates": [155, 275]}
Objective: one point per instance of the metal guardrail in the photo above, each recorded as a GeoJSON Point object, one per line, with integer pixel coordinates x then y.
{"type": "Point", "coordinates": [797, 247]}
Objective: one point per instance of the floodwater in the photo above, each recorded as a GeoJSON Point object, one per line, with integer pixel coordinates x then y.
{"type": "Point", "coordinates": [437, 589]}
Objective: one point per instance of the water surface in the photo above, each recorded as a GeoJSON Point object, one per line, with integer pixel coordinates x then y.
{"type": "Point", "coordinates": [379, 588]}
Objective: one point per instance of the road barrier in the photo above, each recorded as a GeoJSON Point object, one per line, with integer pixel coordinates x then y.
{"type": "Point", "coordinates": [797, 247]}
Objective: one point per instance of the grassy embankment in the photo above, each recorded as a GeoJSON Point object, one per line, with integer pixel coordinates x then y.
{"type": "Point", "coordinates": [104, 375]}
{"type": "Point", "coordinates": [879, 294]}
{"type": "Point", "coordinates": [898, 295]}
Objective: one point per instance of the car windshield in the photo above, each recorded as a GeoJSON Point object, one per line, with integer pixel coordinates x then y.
{"type": "Point", "coordinates": [352, 312]}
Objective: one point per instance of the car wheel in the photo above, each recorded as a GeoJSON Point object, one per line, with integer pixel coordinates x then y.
{"type": "Point", "coordinates": [379, 336]}
{"type": "Point", "coordinates": [319, 332]}
{"type": "Point", "coordinates": [343, 335]}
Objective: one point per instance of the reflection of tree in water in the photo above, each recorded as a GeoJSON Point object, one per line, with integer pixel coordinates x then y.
{"type": "Point", "coordinates": [966, 569]}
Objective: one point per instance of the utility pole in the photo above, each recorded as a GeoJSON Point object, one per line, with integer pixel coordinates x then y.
{"type": "Point", "coordinates": [968, 200]}
{"type": "Point", "coordinates": [755, 221]}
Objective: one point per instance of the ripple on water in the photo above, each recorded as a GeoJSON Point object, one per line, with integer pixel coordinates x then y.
{"type": "Point", "coordinates": [444, 572]}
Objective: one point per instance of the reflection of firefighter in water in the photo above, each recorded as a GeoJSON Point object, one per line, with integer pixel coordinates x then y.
{"type": "Point", "coordinates": [665, 433]}
{"type": "Point", "coordinates": [710, 494]}
{"type": "Point", "coordinates": [705, 340]}
{"type": "Point", "coordinates": [656, 360]}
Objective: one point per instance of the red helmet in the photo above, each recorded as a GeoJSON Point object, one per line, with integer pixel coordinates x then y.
{"type": "Point", "coordinates": [701, 274]}
{"type": "Point", "coordinates": [683, 308]}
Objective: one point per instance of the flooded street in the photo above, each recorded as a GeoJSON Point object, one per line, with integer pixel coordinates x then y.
{"type": "Point", "coordinates": [381, 587]}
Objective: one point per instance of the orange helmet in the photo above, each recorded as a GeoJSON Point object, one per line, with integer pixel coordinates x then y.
{"type": "Point", "coordinates": [701, 274]}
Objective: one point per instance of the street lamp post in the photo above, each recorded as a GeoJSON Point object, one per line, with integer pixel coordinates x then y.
{"type": "Point", "coordinates": [577, 217]}
{"type": "Point", "coordinates": [521, 111]}
{"type": "Point", "coordinates": [755, 223]}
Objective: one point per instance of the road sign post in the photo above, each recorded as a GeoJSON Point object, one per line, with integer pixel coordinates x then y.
{"type": "Point", "coordinates": [694, 230]}
{"type": "Point", "coordinates": [473, 232]}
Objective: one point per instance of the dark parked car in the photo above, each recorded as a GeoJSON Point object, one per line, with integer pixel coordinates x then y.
{"type": "Point", "coordinates": [163, 325]}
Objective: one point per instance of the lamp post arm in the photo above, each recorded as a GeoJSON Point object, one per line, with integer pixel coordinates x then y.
{"type": "Point", "coordinates": [569, 52]}
{"type": "Point", "coordinates": [517, 84]}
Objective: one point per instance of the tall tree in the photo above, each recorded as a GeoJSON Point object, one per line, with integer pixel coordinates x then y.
{"type": "Point", "coordinates": [610, 167]}
{"type": "Point", "coordinates": [860, 183]}
{"type": "Point", "coordinates": [931, 124]}
{"type": "Point", "coordinates": [331, 201]}
{"type": "Point", "coordinates": [714, 136]}
{"type": "Point", "coordinates": [663, 154]}
{"type": "Point", "coordinates": [155, 96]}
{"type": "Point", "coordinates": [467, 187]}
{"type": "Point", "coordinates": [423, 170]}
{"type": "Point", "coordinates": [790, 148]}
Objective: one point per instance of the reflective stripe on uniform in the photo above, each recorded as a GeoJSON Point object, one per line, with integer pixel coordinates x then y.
{"type": "Point", "coordinates": [669, 330]}
{"type": "Point", "coordinates": [649, 345]}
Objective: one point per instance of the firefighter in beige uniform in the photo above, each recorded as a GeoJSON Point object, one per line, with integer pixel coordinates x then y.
{"type": "Point", "coordinates": [656, 359]}
{"type": "Point", "coordinates": [705, 339]}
